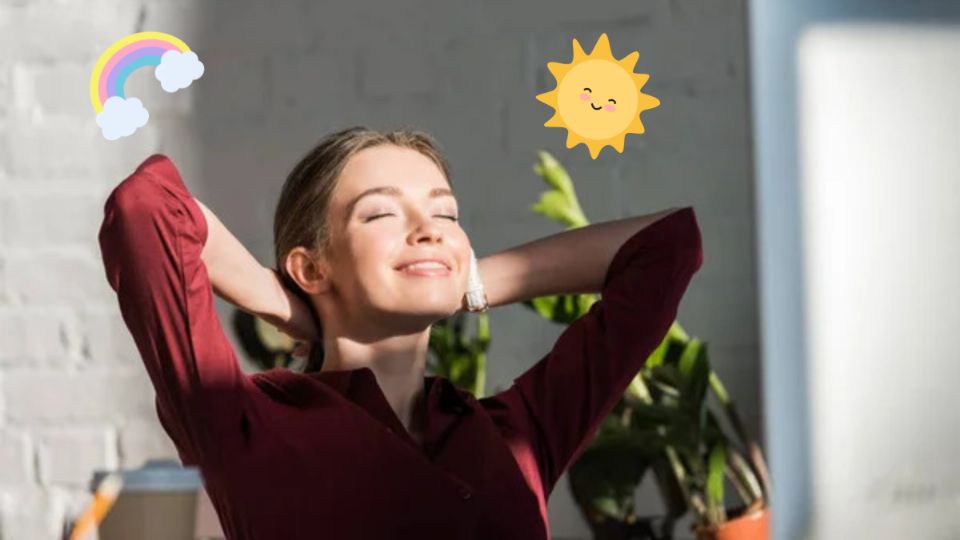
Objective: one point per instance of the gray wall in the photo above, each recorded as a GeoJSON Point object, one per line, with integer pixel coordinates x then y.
{"type": "Point", "coordinates": [277, 79]}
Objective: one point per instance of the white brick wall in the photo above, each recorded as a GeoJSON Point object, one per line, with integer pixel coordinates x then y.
{"type": "Point", "coordinates": [67, 455]}
{"type": "Point", "coordinates": [71, 385]}
{"type": "Point", "coordinates": [16, 454]}
{"type": "Point", "coordinates": [73, 394]}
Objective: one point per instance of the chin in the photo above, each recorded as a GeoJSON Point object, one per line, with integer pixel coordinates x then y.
{"type": "Point", "coordinates": [424, 308]}
{"type": "Point", "coordinates": [438, 310]}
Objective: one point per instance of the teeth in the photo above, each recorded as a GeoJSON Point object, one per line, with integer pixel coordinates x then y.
{"type": "Point", "coordinates": [424, 265]}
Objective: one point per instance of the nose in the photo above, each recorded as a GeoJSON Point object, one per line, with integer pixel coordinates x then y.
{"type": "Point", "coordinates": [425, 228]}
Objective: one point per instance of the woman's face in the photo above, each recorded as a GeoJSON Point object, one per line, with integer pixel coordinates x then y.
{"type": "Point", "coordinates": [393, 205]}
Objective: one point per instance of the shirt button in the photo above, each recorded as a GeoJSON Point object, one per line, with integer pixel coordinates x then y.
{"type": "Point", "coordinates": [465, 493]}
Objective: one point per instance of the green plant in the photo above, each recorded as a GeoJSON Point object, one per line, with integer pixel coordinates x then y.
{"type": "Point", "coordinates": [264, 344]}
{"type": "Point", "coordinates": [662, 424]}
{"type": "Point", "coordinates": [458, 357]}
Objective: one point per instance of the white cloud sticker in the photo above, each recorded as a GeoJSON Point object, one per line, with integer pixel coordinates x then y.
{"type": "Point", "coordinates": [178, 70]}
{"type": "Point", "coordinates": [121, 117]}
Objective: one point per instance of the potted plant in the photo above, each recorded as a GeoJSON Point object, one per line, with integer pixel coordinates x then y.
{"type": "Point", "coordinates": [663, 424]}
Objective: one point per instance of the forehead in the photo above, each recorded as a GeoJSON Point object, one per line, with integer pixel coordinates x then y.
{"type": "Point", "coordinates": [389, 165]}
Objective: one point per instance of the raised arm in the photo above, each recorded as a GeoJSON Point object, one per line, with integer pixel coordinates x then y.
{"type": "Point", "coordinates": [151, 239]}
{"type": "Point", "coordinates": [572, 261]}
{"type": "Point", "coordinates": [554, 408]}
{"type": "Point", "coordinates": [238, 278]}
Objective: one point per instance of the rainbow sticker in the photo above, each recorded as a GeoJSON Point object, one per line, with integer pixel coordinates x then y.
{"type": "Point", "coordinates": [176, 68]}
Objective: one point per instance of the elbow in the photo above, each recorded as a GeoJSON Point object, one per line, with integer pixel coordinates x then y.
{"type": "Point", "coordinates": [133, 195]}
{"type": "Point", "coordinates": [143, 191]}
{"type": "Point", "coordinates": [128, 213]}
{"type": "Point", "coordinates": [132, 213]}
{"type": "Point", "coordinates": [126, 205]}
{"type": "Point", "coordinates": [689, 241]}
{"type": "Point", "coordinates": [134, 202]}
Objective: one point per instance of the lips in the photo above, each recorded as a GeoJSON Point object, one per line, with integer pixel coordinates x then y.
{"type": "Point", "coordinates": [438, 271]}
{"type": "Point", "coordinates": [446, 264]}
{"type": "Point", "coordinates": [434, 268]}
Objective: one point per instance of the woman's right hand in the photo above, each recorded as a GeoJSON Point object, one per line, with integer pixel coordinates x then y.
{"type": "Point", "coordinates": [302, 350]}
{"type": "Point", "coordinates": [237, 277]}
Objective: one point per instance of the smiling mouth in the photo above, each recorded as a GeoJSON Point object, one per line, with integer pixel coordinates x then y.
{"type": "Point", "coordinates": [426, 272]}
{"type": "Point", "coordinates": [595, 108]}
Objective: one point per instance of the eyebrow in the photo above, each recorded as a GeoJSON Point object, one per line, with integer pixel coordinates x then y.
{"type": "Point", "coordinates": [393, 192]}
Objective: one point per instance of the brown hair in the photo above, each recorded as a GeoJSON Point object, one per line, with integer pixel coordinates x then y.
{"type": "Point", "coordinates": [300, 218]}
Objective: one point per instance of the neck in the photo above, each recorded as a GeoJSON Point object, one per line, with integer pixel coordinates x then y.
{"type": "Point", "coordinates": [398, 362]}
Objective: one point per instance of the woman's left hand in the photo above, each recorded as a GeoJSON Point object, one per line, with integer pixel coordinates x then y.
{"type": "Point", "coordinates": [292, 315]}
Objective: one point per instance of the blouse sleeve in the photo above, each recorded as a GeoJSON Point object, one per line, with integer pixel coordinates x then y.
{"type": "Point", "coordinates": [151, 238]}
{"type": "Point", "coordinates": [557, 405]}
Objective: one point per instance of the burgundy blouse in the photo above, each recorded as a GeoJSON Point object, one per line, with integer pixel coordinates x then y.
{"type": "Point", "coordinates": [322, 455]}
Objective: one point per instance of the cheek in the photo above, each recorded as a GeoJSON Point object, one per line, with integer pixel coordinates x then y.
{"type": "Point", "coordinates": [609, 107]}
{"type": "Point", "coordinates": [366, 257]}
{"type": "Point", "coordinates": [584, 96]}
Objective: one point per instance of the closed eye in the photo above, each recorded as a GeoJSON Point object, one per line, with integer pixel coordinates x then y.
{"type": "Point", "coordinates": [371, 218]}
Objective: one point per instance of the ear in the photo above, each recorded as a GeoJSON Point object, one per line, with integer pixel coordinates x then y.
{"type": "Point", "coordinates": [308, 270]}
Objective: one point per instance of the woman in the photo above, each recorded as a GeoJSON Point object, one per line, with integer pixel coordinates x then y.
{"type": "Point", "coordinates": [362, 444]}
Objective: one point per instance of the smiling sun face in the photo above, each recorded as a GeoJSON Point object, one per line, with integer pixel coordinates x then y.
{"type": "Point", "coordinates": [598, 97]}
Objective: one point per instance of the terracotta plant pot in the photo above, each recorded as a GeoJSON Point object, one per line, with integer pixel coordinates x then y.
{"type": "Point", "coordinates": [751, 525]}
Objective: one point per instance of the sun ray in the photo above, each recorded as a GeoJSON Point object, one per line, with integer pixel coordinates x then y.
{"type": "Point", "coordinates": [598, 99]}
{"type": "Point", "coordinates": [618, 145]}
{"type": "Point", "coordinates": [554, 121]}
{"type": "Point", "coordinates": [641, 79]}
{"type": "Point", "coordinates": [647, 102]}
{"type": "Point", "coordinates": [602, 48]}
{"type": "Point", "coordinates": [595, 147]}
{"type": "Point", "coordinates": [550, 98]}
{"type": "Point", "coordinates": [629, 62]}
{"type": "Point", "coordinates": [578, 54]}
{"type": "Point", "coordinates": [558, 70]}
{"type": "Point", "coordinates": [636, 126]}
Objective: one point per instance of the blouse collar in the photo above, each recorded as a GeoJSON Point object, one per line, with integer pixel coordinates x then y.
{"type": "Point", "coordinates": [300, 389]}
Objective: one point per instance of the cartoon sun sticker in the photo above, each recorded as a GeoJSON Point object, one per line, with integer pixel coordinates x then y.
{"type": "Point", "coordinates": [598, 97]}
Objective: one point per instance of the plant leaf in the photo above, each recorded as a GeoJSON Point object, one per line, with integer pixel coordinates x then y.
{"type": "Point", "coordinates": [562, 309]}
{"type": "Point", "coordinates": [604, 478]}
{"type": "Point", "coordinates": [715, 468]}
{"type": "Point", "coordinates": [694, 371]}
{"type": "Point", "coordinates": [559, 204]}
